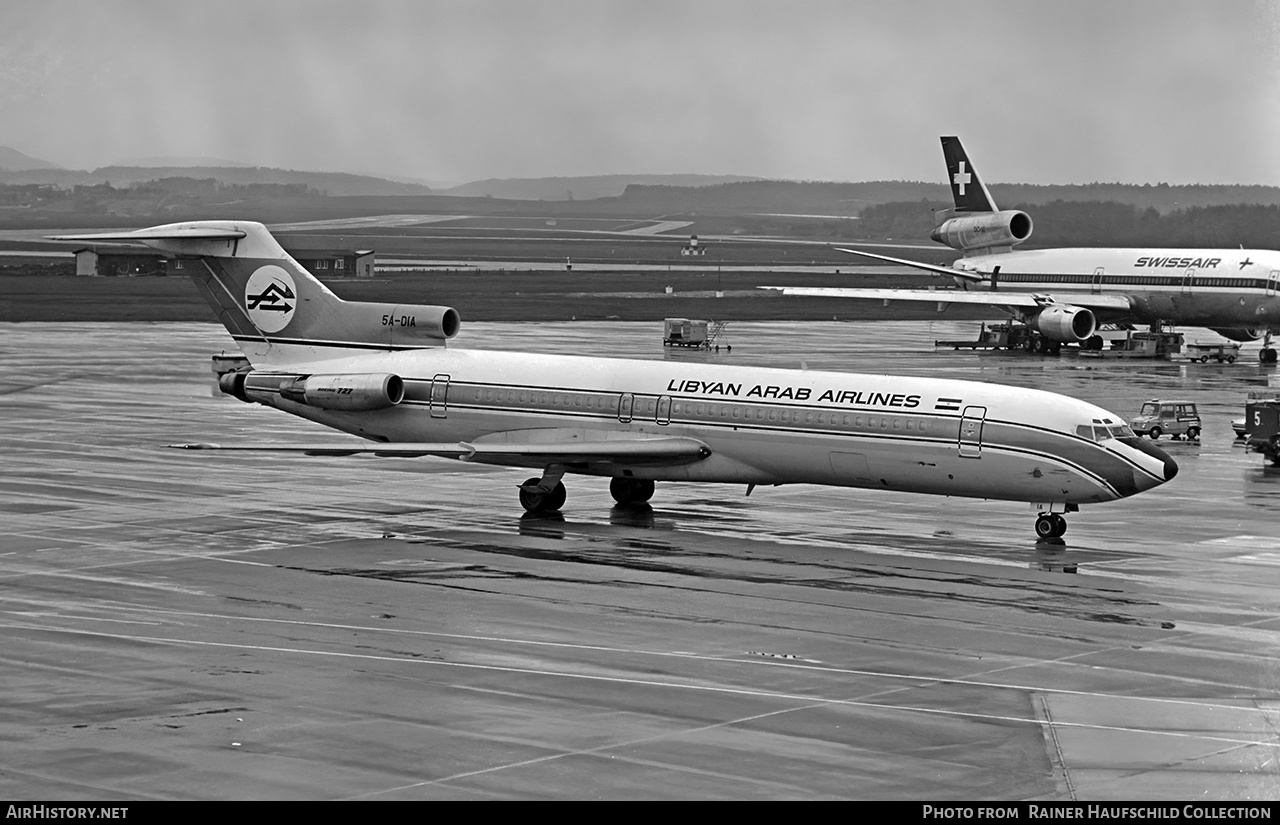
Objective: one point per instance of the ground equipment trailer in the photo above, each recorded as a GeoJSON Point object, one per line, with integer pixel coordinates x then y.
{"type": "Point", "coordinates": [1262, 424]}
{"type": "Point", "coordinates": [1204, 353]}
{"type": "Point", "coordinates": [689, 332]}
{"type": "Point", "coordinates": [1007, 335]}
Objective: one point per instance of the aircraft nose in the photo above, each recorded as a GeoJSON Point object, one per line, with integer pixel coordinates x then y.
{"type": "Point", "coordinates": [1168, 467]}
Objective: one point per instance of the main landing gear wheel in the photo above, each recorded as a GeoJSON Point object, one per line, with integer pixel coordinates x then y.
{"type": "Point", "coordinates": [1050, 526]}
{"type": "Point", "coordinates": [1267, 355]}
{"type": "Point", "coordinates": [631, 490]}
{"type": "Point", "coordinates": [1044, 346]}
{"type": "Point", "coordinates": [536, 502]}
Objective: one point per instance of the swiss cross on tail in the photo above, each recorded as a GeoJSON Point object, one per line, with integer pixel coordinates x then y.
{"type": "Point", "coordinates": [968, 190]}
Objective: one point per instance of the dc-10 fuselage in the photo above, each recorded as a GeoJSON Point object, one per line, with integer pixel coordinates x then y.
{"type": "Point", "coordinates": [1062, 294]}
{"type": "Point", "coordinates": [1211, 287]}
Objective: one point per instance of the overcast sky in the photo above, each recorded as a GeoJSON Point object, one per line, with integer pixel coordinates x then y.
{"type": "Point", "coordinates": [1040, 92]}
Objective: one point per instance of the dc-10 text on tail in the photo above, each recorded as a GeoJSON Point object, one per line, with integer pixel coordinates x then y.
{"type": "Point", "coordinates": [384, 373]}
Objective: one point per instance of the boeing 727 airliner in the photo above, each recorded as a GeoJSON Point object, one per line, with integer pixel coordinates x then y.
{"type": "Point", "coordinates": [383, 372]}
{"type": "Point", "coordinates": [1064, 293]}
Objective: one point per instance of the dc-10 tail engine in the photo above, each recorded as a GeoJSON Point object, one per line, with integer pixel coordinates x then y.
{"type": "Point", "coordinates": [354, 392]}
{"type": "Point", "coordinates": [983, 230]}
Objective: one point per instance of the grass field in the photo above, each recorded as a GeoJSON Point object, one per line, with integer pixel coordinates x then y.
{"type": "Point", "coordinates": [523, 296]}
{"type": "Point", "coordinates": [31, 291]}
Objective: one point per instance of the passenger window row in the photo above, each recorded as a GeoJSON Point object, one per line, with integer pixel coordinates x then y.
{"type": "Point", "coordinates": [689, 411]}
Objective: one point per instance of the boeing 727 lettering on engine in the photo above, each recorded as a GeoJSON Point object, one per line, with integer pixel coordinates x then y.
{"type": "Point", "coordinates": [1065, 293]}
{"type": "Point", "coordinates": [399, 387]}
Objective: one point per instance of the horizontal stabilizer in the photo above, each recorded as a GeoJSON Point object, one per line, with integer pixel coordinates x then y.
{"type": "Point", "coordinates": [171, 232]}
{"type": "Point", "coordinates": [934, 268]}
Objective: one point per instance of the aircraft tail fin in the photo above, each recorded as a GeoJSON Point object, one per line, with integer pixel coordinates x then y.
{"type": "Point", "coordinates": [276, 310]}
{"type": "Point", "coordinates": [968, 190]}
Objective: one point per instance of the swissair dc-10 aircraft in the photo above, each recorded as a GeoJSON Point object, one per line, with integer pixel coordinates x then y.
{"type": "Point", "coordinates": [383, 372]}
{"type": "Point", "coordinates": [1065, 293]}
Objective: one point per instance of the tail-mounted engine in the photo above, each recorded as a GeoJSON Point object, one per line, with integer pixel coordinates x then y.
{"type": "Point", "coordinates": [1064, 324]}
{"type": "Point", "coordinates": [399, 324]}
{"type": "Point", "coordinates": [353, 392]}
{"type": "Point", "coordinates": [984, 230]}
{"type": "Point", "coordinates": [1238, 333]}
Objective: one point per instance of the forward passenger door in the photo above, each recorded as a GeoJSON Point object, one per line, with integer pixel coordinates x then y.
{"type": "Point", "coordinates": [971, 422]}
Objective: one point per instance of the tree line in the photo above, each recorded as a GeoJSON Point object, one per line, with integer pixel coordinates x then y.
{"type": "Point", "coordinates": [1097, 223]}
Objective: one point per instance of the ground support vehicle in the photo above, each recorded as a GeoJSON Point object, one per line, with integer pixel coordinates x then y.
{"type": "Point", "coordinates": [1204, 353]}
{"type": "Point", "coordinates": [687, 332]}
{"type": "Point", "coordinates": [1138, 344]}
{"type": "Point", "coordinates": [1008, 335]}
{"type": "Point", "coordinates": [1262, 424]}
{"type": "Point", "coordinates": [1175, 418]}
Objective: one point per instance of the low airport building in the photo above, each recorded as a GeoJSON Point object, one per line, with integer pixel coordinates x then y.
{"type": "Point", "coordinates": [120, 260]}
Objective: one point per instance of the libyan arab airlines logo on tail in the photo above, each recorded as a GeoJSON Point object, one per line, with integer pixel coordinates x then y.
{"type": "Point", "coordinates": [270, 299]}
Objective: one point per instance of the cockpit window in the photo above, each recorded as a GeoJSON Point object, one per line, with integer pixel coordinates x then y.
{"type": "Point", "coordinates": [1101, 432]}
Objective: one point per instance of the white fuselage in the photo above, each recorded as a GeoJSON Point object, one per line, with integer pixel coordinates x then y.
{"type": "Point", "coordinates": [762, 426]}
{"type": "Point", "coordinates": [1201, 287]}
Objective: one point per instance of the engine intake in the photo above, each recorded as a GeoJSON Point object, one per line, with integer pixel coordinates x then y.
{"type": "Point", "coordinates": [351, 393]}
{"type": "Point", "coordinates": [984, 230]}
{"type": "Point", "coordinates": [1064, 324]}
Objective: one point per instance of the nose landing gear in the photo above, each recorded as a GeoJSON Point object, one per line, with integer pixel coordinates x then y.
{"type": "Point", "coordinates": [1050, 526]}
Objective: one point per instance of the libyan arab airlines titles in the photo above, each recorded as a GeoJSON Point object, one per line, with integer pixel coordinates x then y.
{"type": "Point", "coordinates": [855, 398]}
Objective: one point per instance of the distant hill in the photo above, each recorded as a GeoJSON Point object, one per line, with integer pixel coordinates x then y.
{"type": "Point", "coordinates": [581, 188]}
{"type": "Point", "coordinates": [817, 197]}
{"type": "Point", "coordinates": [15, 161]}
{"type": "Point", "coordinates": [780, 196]}
{"type": "Point", "coordinates": [170, 161]}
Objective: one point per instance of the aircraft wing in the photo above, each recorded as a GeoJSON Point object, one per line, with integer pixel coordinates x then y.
{"type": "Point", "coordinates": [653, 451]}
{"type": "Point", "coordinates": [1106, 302]}
{"type": "Point", "coordinates": [934, 268]}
